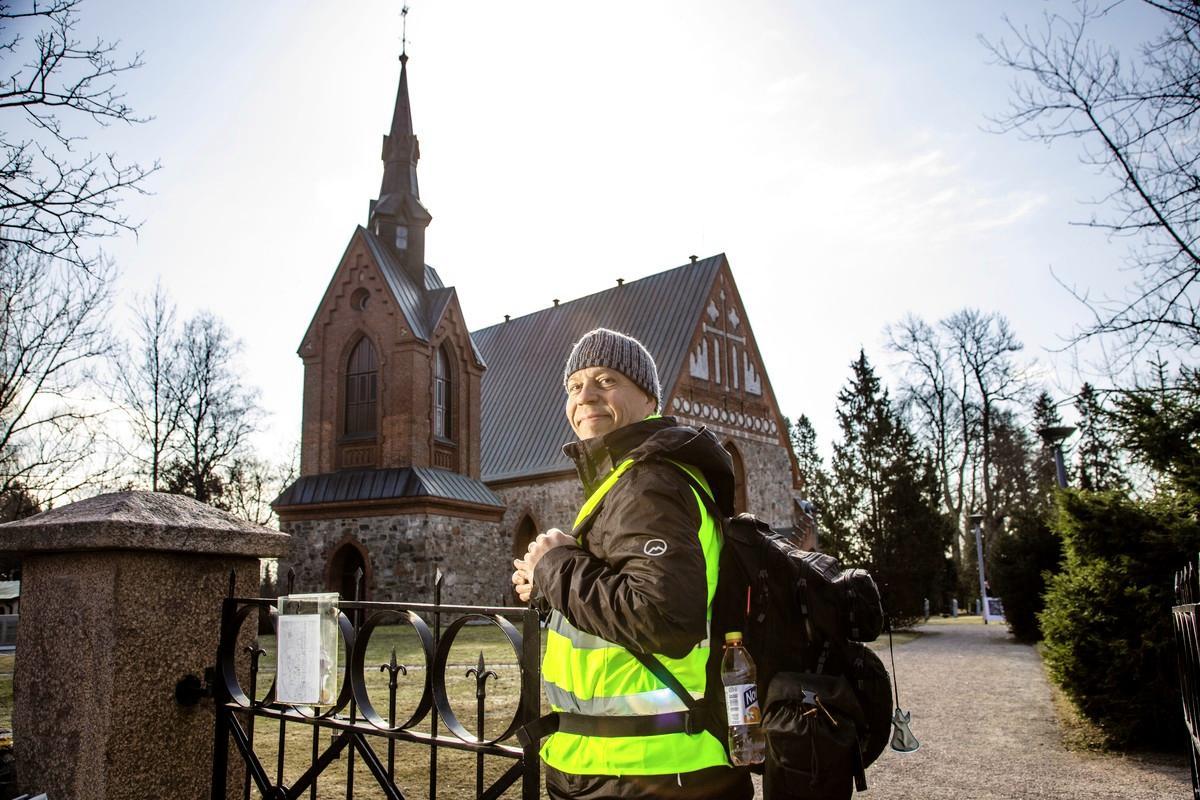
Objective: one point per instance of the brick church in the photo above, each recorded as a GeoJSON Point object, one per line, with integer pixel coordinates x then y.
{"type": "Point", "coordinates": [426, 445]}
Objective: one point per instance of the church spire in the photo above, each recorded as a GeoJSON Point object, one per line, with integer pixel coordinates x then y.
{"type": "Point", "coordinates": [397, 216]}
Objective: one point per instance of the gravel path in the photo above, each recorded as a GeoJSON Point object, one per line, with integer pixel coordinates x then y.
{"type": "Point", "coordinates": [982, 710]}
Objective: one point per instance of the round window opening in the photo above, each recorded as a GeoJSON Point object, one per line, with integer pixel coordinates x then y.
{"type": "Point", "coordinates": [359, 299]}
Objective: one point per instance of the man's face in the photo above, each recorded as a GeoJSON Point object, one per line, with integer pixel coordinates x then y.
{"type": "Point", "coordinates": [600, 399]}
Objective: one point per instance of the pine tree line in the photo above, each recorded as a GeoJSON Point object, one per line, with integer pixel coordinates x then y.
{"type": "Point", "coordinates": [961, 437]}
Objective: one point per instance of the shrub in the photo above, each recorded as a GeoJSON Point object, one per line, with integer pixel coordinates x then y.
{"type": "Point", "coordinates": [1019, 565]}
{"type": "Point", "coordinates": [1107, 617]}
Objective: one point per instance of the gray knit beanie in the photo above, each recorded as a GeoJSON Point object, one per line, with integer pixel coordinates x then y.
{"type": "Point", "coordinates": [605, 348]}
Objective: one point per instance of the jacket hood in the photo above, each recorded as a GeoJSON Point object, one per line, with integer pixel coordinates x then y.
{"type": "Point", "coordinates": [657, 438]}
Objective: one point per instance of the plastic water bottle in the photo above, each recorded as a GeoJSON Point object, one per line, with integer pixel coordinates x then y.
{"type": "Point", "coordinates": [747, 743]}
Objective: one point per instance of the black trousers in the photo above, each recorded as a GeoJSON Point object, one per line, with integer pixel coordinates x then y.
{"type": "Point", "coordinates": [712, 783]}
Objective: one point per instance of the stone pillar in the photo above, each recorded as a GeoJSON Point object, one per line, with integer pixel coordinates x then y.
{"type": "Point", "coordinates": [120, 599]}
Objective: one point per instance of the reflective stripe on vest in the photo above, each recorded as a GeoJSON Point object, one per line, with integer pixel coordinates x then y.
{"type": "Point", "coordinates": [587, 674]}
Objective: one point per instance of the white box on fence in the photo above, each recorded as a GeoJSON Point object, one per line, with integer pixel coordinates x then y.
{"type": "Point", "coordinates": [307, 645]}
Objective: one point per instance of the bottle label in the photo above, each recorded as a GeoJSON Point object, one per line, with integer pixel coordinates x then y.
{"type": "Point", "coordinates": [741, 703]}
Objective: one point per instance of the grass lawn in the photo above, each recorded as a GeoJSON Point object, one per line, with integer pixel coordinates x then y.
{"type": "Point", "coordinates": [6, 689]}
{"type": "Point", "coordinates": [961, 619]}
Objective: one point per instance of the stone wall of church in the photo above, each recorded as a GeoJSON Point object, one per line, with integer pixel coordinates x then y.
{"type": "Point", "coordinates": [768, 481]}
{"type": "Point", "coordinates": [552, 504]}
{"type": "Point", "coordinates": [404, 553]}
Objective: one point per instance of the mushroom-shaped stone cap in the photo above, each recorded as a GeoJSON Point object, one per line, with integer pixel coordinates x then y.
{"type": "Point", "coordinates": [141, 521]}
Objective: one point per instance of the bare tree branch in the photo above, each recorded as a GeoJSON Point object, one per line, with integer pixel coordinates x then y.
{"type": "Point", "coordinates": [1135, 121]}
{"type": "Point", "coordinates": [53, 201]}
{"type": "Point", "coordinates": [53, 334]}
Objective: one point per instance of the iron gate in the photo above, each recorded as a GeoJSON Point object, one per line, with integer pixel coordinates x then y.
{"type": "Point", "coordinates": [1187, 645]}
{"type": "Point", "coordinates": [355, 728]}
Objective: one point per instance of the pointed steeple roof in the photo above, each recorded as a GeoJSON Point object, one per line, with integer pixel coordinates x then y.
{"type": "Point", "coordinates": [400, 147]}
{"type": "Point", "coordinates": [397, 216]}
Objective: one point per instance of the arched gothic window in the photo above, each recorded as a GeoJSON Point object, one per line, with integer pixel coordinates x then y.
{"type": "Point", "coordinates": [362, 389]}
{"type": "Point", "coordinates": [443, 386]}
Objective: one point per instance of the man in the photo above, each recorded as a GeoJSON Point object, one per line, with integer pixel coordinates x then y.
{"type": "Point", "coordinates": [641, 577]}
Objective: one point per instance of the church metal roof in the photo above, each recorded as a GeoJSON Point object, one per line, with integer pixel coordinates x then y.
{"type": "Point", "coordinates": [523, 426]}
{"type": "Point", "coordinates": [408, 295]}
{"type": "Point", "coordinates": [386, 484]}
{"type": "Point", "coordinates": [422, 317]}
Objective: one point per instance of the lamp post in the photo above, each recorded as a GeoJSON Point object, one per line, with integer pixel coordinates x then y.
{"type": "Point", "coordinates": [977, 526]}
{"type": "Point", "coordinates": [1053, 437]}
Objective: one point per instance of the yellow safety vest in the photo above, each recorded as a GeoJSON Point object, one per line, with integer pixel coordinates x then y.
{"type": "Point", "coordinates": [586, 674]}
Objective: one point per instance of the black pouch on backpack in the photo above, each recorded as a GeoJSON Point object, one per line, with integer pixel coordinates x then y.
{"type": "Point", "coordinates": [813, 725]}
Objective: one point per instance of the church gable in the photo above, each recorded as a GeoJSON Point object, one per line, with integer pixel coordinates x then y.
{"type": "Point", "coordinates": [446, 323]}
{"type": "Point", "coordinates": [723, 382]}
{"type": "Point", "coordinates": [358, 294]}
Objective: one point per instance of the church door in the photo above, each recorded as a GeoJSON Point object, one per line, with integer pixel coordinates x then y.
{"type": "Point", "coordinates": [342, 568]}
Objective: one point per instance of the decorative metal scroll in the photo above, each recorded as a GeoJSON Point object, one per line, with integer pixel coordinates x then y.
{"type": "Point", "coordinates": [1187, 646]}
{"type": "Point", "coordinates": [354, 728]}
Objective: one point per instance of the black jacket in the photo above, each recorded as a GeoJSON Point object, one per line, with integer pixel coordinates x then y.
{"type": "Point", "coordinates": [610, 585]}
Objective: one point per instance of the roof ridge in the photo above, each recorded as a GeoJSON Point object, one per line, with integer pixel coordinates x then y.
{"type": "Point", "coordinates": [693, 264]}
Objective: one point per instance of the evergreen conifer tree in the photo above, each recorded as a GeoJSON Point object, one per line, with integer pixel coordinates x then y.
{"type": "Point", "coordinates": [1098, 458]}
{"type": "Point", "coordinates": [883, 502]}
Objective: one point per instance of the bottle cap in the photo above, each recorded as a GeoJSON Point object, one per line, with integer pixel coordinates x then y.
{"type": "Point", "coordinates": [733, 636]}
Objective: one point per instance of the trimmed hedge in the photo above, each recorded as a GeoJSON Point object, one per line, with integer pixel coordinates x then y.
{"type": "Point", "coordinates": [1019, 565]}
{"type": "Point", "coordinates": [1107, 617]}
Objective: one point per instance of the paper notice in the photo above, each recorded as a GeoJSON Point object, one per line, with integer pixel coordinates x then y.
{"type": "Point", "coordinates": [298, 672]}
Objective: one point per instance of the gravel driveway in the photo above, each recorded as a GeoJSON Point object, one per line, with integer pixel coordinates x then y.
{"type": "Point", "coordinates": [983, 713]}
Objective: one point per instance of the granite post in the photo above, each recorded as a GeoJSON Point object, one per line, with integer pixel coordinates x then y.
{"type": "Point", "coordinates": [120, 599]}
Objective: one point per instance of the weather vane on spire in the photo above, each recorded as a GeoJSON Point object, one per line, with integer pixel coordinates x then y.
{"type": "Point", "coordinates": [404, 31]}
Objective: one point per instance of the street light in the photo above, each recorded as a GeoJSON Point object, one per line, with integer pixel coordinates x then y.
{"type": "Point", "coordinates": [1053, 437]}
{"type": "Point", "coordinates": [977, 526]}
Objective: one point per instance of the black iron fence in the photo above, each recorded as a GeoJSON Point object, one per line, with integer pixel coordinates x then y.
{"type": "Point", "coordinates": [359, 729]}
{"type": "Point", "coordinates": [1187, 645]}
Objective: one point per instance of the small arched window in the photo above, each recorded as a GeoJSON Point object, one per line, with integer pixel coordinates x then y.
{"type": "Point", "coordinates": [442, 394]}
{"type": "Point", "coordinates": [362, 389]}
{"type": "Point", "coordinates": [525, 533]}
{"type": "Point", "coordinates": [739, 478]}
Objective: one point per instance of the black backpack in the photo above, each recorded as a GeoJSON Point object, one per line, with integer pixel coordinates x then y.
{"type": "Point", "coordinates": [825, 698]}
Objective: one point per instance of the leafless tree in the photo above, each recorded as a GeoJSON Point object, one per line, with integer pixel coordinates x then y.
{"type": "Point", "coordinates": [218, 413]}
{"type": "Point", "coordinates": [53, 335]}
{"type": "Point", "coordinates": [932, 391]}
{"type": "Point", "coordinates": [958, 379]}
{"type": "Point", "coordinates": [53, 197]}
{"type": "Point", "coordinates": [1135, 119]}
{"type": "Point", "coordinates": [251, 484]}
{"type": "Point", "coordinates": [984, 347]}
{"type": "Point", "coordinates": [145, 378]}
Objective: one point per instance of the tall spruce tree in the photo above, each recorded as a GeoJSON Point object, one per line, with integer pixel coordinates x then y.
{"type": "Point", "coordinates": [809, 461]}
{"type": "Point", "coordinates": [1097, 455]}
{"type": "Point", "coordinates": [1046, 415]}
{"type": "Point", "coordinates": [883, 501]}
{"type": "Point", "coordinates": [1027, 549]}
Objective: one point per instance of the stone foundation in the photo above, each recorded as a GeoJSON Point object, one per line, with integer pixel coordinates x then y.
{"type": "Point", "coordinates": [402, 555]}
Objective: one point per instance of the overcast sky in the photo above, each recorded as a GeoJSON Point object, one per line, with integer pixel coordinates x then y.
{"type": "Point", "coordinates": [837, 152]}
